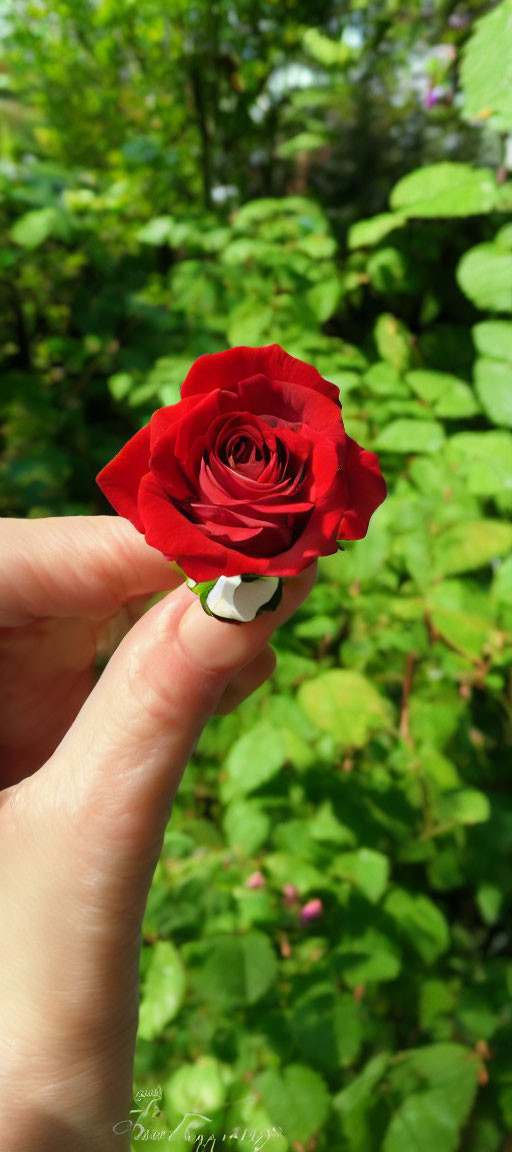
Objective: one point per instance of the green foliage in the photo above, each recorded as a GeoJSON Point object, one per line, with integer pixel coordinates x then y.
{"type": "Point", "coordinates": [249, 961]}
{"type": "Point", "coordinates": [493, 383]}
{"type": "Point", "coordinates": [344, 704]}
{"type": "Point", "coordinates": [194, 1088]}
{"type": "Point", "coordinates": [254, 758]}
{"type": "Point", "coordinates": [447, 189]}
{"type": "Point", "coordinates": [366, 233]}
{"type": "Point", "coordinates": [486, 72]}
{"type": "Point", "coordinates": [328, 1027]}
{"type": "Point", "coordinates": [442, 1084]}
{"type": "Point", "coordinates": [177, 178]}
{"type": "Point", "coordinates": [296, 1100]}
{"type": "Point", "coordinates": [163, 990]}
{"type": "Point", "coordinates": [485, 275]}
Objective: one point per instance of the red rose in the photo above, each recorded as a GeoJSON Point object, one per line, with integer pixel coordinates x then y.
{"type": "Point", "coordinates": [251, 472]}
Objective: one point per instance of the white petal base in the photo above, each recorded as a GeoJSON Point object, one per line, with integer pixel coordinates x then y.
{"type": "Point", "coordinates": [231, 598]}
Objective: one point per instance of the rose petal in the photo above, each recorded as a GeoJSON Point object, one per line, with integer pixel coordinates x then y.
{"type": "Point", "coordinates": [183, 438]}
{"type": "Point", "coordinates": [291, 402]}
{"type": "Point", "coordinates": [366, 490]}
{"type": "Point", "coordinates": [119, 480]}
{"type": "Point", "coordinates": [167, 529]}
{"type": "Point", "coordinates": [225, 369]}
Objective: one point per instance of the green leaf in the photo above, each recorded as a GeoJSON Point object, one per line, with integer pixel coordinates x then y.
{"type": "Point", "coordinates": [471, 544]}
{"type": "Point", "coordinates": [486, 72]}
{"type": "Point", "coordinates": [388, 271]}
{"type": "Point", "coordinates": [367, 869]}
{"type": "Point", "coordinates": [477, 1014]}
{"type": "Point", "coordinates": [367, 957]}
{"type": "Point", "coordinates": [366, 233]}
{"type": "Point", "coordinates": [291, 668]}
{"type": "Point", "coordinates": [450, 397]}
{"type": "Point", "coordinates": [463, 806]}
{"type": "Point", "coordinates": [384, 380]}
{"type": "Point", "coordinates": [287, 868]}
{"type": "Point", "coordinates": [435, 715]}
{"type": "Point", "coordinates": [393, 341]}
{"type": "Point", "coordinates": [438, 769]}
{"type": "Point", "coordinates": [330, 53]}
{"type": "Point", "coordinates": [247, 1114]}
{"type": "Point", "coordinates": [156, 231]}
{"type": "Point", "coordinates": [493, 338]}
{"type": "Point", "coordinates": [493, 381]}
{"type": "Point", "coordinates": [240, 251]}
{"type": "Point", "coordinates": [459, 612]}
{"type": "Point", "coordinates": [163, 990]}
{"type": "Point", "coordinates": [418, 919]}
{"type": "Point", "coordinates": [431, 1117]}
{"type": "Point", "coordinates": [490, 900]}
{"type": "Point", "coordinates": [355, 1105]}
{"type": "Point", "coordinates": [324, 297]}
{"type": "Point", "coordinates": [503, 238]}
{"type": "Point", "coordinates": [120, 385]}
{"type": "Point", "coordinates": [344, 704]}
{"type": "Point", "coordinates": [264, 209]}
{"type": "Point", "coordinates": [410, 436]}
{"type": "Point", "coordinates": [196, 1088]}
{"type": "Point", "coordinates": [295, 1099]}
{"type": "Point", "coordinates": [228, 971]}
{"type": "Point", "coordinates": [446, 189]}
{"type": "Point", "coordinates": [167, 376]}
{"type": "Point", "coordinates": [318, 245]}
{"type": "Point", "coordinates": [485, 275]}
{"type": "Point", "coordinates": [255, 757]}
{"type": "Point", "coordinates": [328, 1027]}
{"type": "Point", "coordinates": [436, 999]}
{"type": "Point", "coordinates": [361, 1089]}
{"type": "Point", "coordinates": [502, 583]}
{"type": "Point", "coordinates": [249, 323]}
{"type": "Point", "coordinates": [260, 965]}
{"type": "Point", "coordinates": [504, 197]}
{"type": "Point", "coordinates": [32, 229]}
{"type": "Point", "coordinates": [302, 142]}
{"type": "Point", "coordinates": [420, 1122]}
{"type": "Point", "coordinates": [464, 632]}
{"type": "Point", "coordinates": [483, 460]}
{"type": "Point", "coordinates": [326, 828]}
{"type": "Point", "coordinates": [246, 826]}
{"type": "Point", "coordinates": [317, 628]}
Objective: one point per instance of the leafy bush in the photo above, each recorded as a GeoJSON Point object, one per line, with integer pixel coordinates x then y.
{"type": "Point", "coordinates": [326, 945]}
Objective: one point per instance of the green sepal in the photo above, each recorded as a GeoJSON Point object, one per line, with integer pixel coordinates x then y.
{"type": "Point", "coordinates": [203, 590]}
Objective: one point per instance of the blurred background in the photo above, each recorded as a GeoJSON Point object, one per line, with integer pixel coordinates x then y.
{"type": "Point", "coordinates": [327, 959]}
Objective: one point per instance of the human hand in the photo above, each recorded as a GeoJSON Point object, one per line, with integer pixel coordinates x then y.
{"type": "Point", "coordinates": [89, 776]}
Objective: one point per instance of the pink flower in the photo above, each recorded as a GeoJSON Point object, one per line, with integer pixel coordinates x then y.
{"type": "Point", "coordinates": [311, 911]}
{"type": "Point", "coordinates": [290, 893]}
{"type": "Point", "coordinates": [436, 95]}
{"type": "Point", "coordinates": [255, 880]}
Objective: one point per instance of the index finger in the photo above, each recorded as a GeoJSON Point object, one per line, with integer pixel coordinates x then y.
{"type": "Point", "coordinates": [76, 565]}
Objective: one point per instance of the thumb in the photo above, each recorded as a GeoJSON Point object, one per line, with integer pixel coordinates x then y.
{"type": "Point", "coordinates": [116, 772]}
{"type": "Point", "coordinates": [83, 834]}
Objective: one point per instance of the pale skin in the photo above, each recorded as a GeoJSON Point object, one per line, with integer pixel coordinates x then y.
{"type": "Point", "coordinates": [88, 772]}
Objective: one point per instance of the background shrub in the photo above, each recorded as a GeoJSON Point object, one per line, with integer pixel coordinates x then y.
{"type": "Point", "coordinates": [327, 948]}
